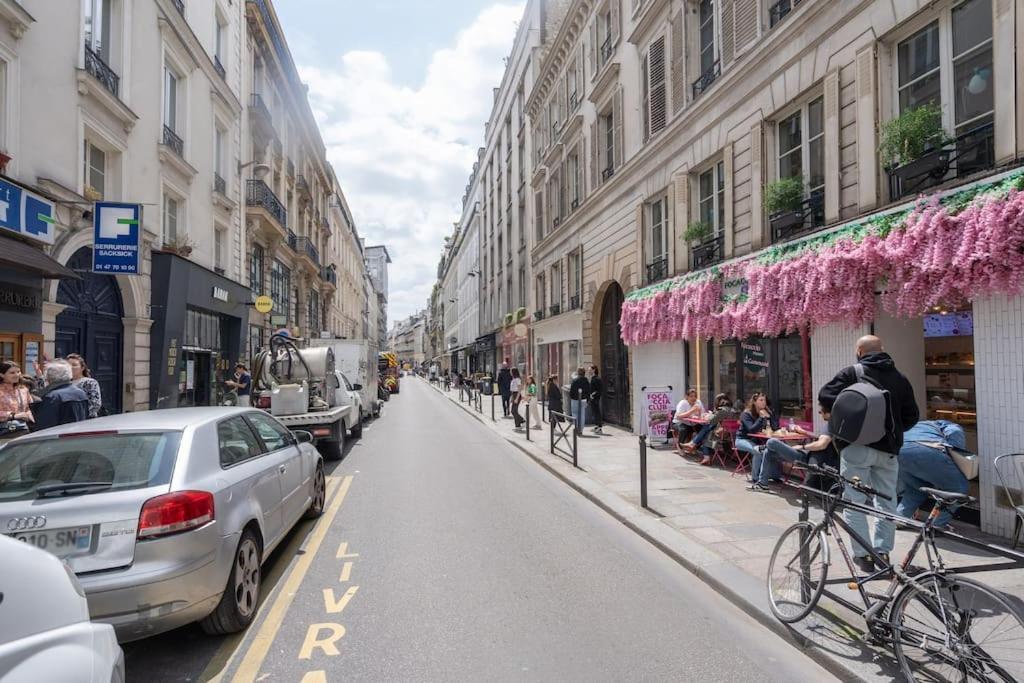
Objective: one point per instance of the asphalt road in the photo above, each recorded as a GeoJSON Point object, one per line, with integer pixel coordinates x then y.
{"type": "Point", "coordinates": [447, 554]}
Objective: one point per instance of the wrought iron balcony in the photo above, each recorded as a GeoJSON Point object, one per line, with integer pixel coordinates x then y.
{"type": "Point", "coordinates": [606, 50]}
{"type": "Point", "coordinates": [574, 302]}
{"type": "Point", "coordinates": [574, 101]}
{"type": "Point", "coordinates": [258, 194]}
{"type": "Point", "coordinates": [219, 184]}
{"type": "Point", "coordinates": [330, 275]}
{"type": "Point", "coordinates": [789, 224]}
{"type": "Point", "coordinates": [293, 240]}
{"type": "Point", "coordinates": [708, 252]}
{"type": "Point", "coordinates": [706, 79]}
{"type": "Point", "coordinates": [657, 270]}
{"type": "Point", "coordinates": [969, 153]}
{"type": "Point", "coordinates": [554, 309]}
{"type": "Point", "coordinates": [99, 69]}
{"type": "Point", "coordinates": [180, 5]}
{"type": "Point", "coordinates": [779, 10]}
{"type": "Point", "coordinates": [172, 140]}
{"type": "Point", "coordinates": [219, 67]}
{"type": "Point", "coordinates": [607, 173]}
{"type": "Point", "coordinates": [302, 185]}
{"type": "Point", "coordinates": [538, 315]}
{"type": "Point", "coordinates": [305, 247]}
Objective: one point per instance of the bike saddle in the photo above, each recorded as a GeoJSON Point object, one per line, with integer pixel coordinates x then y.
{"type": "Point", "coordinates": [948, 497]}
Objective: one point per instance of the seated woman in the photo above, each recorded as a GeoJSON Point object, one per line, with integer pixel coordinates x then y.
{"type": "Point", "coordinates": [925, 463]}
{"type": "Point", "coordinates": [723, 411]}
{"type": "Point", "coordinates": [821, 451]}
{"type": "Point", "coordinates": [754, 419]}
{"type": "Point", "coordinates": [688, 407]}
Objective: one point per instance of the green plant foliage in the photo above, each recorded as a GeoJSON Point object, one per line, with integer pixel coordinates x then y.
{"type": "Point", "coordinates": [914, 132]}
{"type": "Point", "coordinates": [697, 231]}
{"type": "Point", "coordinates": [785, 194]}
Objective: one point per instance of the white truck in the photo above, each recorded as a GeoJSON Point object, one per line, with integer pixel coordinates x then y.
{"type": "Point", "coordinates": [357, 360]}
{"type": "Point", "coordinates": [305, 391]}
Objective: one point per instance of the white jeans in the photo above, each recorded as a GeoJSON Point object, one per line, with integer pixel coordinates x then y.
{"type": "Point", "coordinates": [877, 470]}
{"type": "Point", "coordinates": [243, 401]}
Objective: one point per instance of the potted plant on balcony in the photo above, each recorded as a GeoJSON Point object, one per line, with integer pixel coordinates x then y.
{"type": "Point", "coordinates": [914, 144]}
{"type": "Point", "coordinates": [784, 200]}
{"type": "Point", "coordinates": [91, 194]}
{"type": "Point", "coordinates": [697, 232]}
{"type": "Point", "coordinates": [181, 246]}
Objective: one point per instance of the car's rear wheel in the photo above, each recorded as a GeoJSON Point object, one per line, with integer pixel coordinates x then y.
{"type": "Point", "coordinates": [357, 429]}
{"type": "Point", "coordinates": [316, 506]}
{"type": "Point", "coordinates": [237, 605]}
{"type": "Point", "coordinates": [334, 449]}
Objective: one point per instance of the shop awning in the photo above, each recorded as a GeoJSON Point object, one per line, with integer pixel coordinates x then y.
{"type": "Point", "coordinates": [20, 256]}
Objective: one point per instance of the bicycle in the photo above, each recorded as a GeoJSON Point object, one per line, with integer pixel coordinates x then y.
{"type": "Point", "coordinates": [942, 626]}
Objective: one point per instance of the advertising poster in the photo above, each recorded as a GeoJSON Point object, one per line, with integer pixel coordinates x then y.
{"type": "Point", "coordinates": [116, 238]}
{"type": "Point", "coordinates": [658, 407]}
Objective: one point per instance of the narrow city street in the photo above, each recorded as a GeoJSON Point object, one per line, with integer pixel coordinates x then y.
{"type": "Point", "coordinates": [453, 556]}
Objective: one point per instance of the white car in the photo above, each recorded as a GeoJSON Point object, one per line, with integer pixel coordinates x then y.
{"type": "Point", "coordinates": [45, 632]}
{"type": "Point", "coordinates": [354, 422]}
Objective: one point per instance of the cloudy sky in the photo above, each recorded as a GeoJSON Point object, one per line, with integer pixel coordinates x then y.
{"type": "Point", "coordinates": [401, 90]}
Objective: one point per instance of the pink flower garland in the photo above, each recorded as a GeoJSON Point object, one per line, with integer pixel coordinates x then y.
{"type": "Point", "coordinates": [933, 258]}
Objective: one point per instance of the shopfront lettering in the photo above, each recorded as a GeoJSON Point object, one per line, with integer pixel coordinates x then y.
{"type": "Point", "coordinates": [13, 298]}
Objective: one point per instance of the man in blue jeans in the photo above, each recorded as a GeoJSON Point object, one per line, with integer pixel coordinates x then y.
{"type": "Point", "coordinates": [925, 463]}
{"type": "Point", "coordinates": [579, 391]}
{"type": "Point", "coordinates": [875, 464]}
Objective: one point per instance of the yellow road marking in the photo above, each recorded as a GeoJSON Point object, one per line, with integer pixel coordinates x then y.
{"type": "Point", "coordinates": [260, 646]}
{"type": "Point", "coordinates": [334, 606]}
{"type": "Point", "coordinates": [346, 572]}
{"type": "Point", "coordinates": [343, 551]}
{"type": "Point", "coordinates": [215, 668]}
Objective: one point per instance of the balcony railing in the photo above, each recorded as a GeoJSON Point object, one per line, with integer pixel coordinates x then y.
{"type": "Point", "coordinates": [180, 5]}
{"type": "Point", "coordinates": [554, 309]}
{"type": "Point", "coordinates": [968, 154]}
{"type": "Point", "coordinates": [574, 100]}
{"type": "Point", "coordinates": [789, 224]}
{"type": "Point", "coordinates": [302, 185]}
{"type": "Point", "coordinates": [330, 275]}
{"type": "Point", "coordinates": [657, 270]}
{"type": "Point", "coordinates": [574, 302]}
{"type": "Point", "coordinates": [538, 315]}
{"type": "Point", "coordinates": [779, 10]}
{"type": "Point", "coordinates": [293, 240]}
{"type": "Point", "coordinates": [172, 140]}
{"type": "Point", "coordinates": [259, 107]}
{"type": "Point", "coordinates": [305, 246]}
{"type": "Point", "coordinates": [258, 194]}
{"type": "Point", "coordinates": [219, 184]}
{"type": "Point", "coordinates": [219, 67]}
{"type": "Point", "coordinates": [606, 50]}
{"type": "Point", "coordinates": [706, 79]}
{"type": "Point", "coordinates": [95, 65]}
{"type": "Point", "coordinates": [607, 173]}
{"type": "Point", "coordinates": [708, 252]}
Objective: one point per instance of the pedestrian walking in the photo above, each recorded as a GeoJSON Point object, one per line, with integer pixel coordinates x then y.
{"type": "Point", "coordinates": [15, 402]}
{"type": "Point", "coordinates": [82, 378]}
{"type": "Point", "coordinates": [516, 386]}
{"type": "Point", "coordinates": [61, 402]}
{"type": "Point", "coordinates": [594, 399]}
{"type": "Point", "coordinates": [505, 386]}
{"type": "Point", "coordinates": [579, 390]}
{"type": "Point", "coordinates": [875, 463]}
{"type": "Point", "coordinates": [242, 384]}
{"type": "Point", "coordinates": [530, 391]}
{"type": "Point", "coordinates": [554, 394]}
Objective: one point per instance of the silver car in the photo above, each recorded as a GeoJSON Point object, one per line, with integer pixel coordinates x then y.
{"type": "Point", "coordinates": [165, 516]}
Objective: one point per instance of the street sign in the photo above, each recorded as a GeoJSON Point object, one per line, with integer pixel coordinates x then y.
{"type": "Point", "coordinates": [276, 320]}
{"type": "Point", "coordinates": [264, 304]}
{"type": "Point", "coordinates": [26, 213]}
{"type": "Point", "coordinates": [116, 238]}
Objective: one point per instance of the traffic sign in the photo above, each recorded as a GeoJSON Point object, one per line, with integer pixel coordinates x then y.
{"type": "Point", "coordinates": [264, 304]}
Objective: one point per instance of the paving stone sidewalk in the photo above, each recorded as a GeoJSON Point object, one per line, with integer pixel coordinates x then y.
{"type": "Point", "coordinates": [708, 521]}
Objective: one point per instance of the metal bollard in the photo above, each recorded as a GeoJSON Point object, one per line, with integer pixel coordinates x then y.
{"type": "Point", "coordinates": [527, 421]}
{"type": "Point", "coordinates": [643, 470]}
{"type": "Point", "coordinates": [575, 462]}
{"type": "Point", "coordinates": [551, 446]}
{"type": "Point", "coordinates": [492, 406]}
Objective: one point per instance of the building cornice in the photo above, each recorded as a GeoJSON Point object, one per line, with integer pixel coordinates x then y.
{"type": "Point", "coordinates": [649, 19]}
{"type": "Point", "coordinates": [562, 45]}
{"type": "Point", "coordinates": [17, 18]}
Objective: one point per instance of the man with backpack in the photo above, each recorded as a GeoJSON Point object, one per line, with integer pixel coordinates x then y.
{"type": "Point", "coordinates": [871, 405]}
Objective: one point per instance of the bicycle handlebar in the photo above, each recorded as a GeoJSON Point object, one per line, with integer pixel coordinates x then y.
{"type": "Point", "coordinates": [855, 482]}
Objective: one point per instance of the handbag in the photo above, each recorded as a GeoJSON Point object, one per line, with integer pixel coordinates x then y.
{"type": "Point", "coordinates": [965, 460]}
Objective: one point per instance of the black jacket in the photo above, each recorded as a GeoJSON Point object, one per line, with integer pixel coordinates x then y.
{"type": "Point", "coordinates": [579, 390]}
{"type": "Point", "coordinates": [60, 404]}
{"type": "Point", "coordinates": [596, 388]}
{"type": "Point", "coordinates": [880, 367]}
{"type": "Point", "coordinates": [555, 398]}
{"type": "Point", "coordinates": [504, 380]}
{"type": "Point", "coordinates": [749, 424]}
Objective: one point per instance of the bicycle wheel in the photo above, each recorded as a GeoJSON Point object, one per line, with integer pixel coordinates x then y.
{"type": "Point", "coordinates": [956, 629]}
{"type": "Point", "coordinates": [797, 572]}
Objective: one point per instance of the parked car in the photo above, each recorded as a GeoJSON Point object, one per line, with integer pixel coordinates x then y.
{"type": "Point", "coordinates": [166, 516]}
{"type": "Point", "coordinates": [45, 632]}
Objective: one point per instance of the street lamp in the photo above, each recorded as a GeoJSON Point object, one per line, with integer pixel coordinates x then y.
{"type": "Point", "coordinates": [259, 172]}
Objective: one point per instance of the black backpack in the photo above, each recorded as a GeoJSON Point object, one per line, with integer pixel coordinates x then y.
{"type": "Point", "coordinates": [862, 413]}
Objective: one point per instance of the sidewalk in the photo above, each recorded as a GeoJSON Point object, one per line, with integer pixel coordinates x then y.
{"type": "Point", "coordinates": [707, 520]}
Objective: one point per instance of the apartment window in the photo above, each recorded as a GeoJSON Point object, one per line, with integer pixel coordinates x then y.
{"type": "Point", "coordinates": [280, 285]}
{"type": "Point", "coordinates": [538, 213]}
{"type": "Point", "coordinates": [219, 138]}
{"type": "Point", "coordinates": [522, 161]}
{"type": "Point", "coordinates": [575, 279]}
{"type": "Point", "coordinates": [706, 58]}
{"type": "Point", "coordinates": [522, 286]}
{"type": "Point", "coordinates": [97, 27]}
{"type": "Point", "coordinates": [94, 171]}
{"type": "Point", "coordinates": [219, 250]}
{"type": "Point", "coordinates": [313, 311]}
{"type": "Point", "coordinates": [508, 293]}
{"type": "Point", "coordinates": [655, 92]}
{"type": "Point", "coordinates": [606, 31]}
{"type": "Point", "coordinates": [657, 239]}
{"type": "Point", "coordinates": [522, 221]}
{"type": "Point", "coordinates": [711, 197]}
{"type": "Point", "coordinates": [556, 287]}
{"type": "Point", "coordinates": [219, 39]}
{"type": "Point", "coordinates": [298, 306]}
{"type": "Point", "coordinates": [554, 116]}
{"type": "Point", "coordinates": [256, 270]}
{"type": "Point", "coordinates": [171, 99]}
{"type": "Point", "coordinates": [949, 62]}
{"type": "Point", "coordinates": [801, 142]}
{"type": "Point", "coordinates": [172, 207]}
{"type": "Point", "coordinates": [607, 142]}
{"type": "Point", "coordinates": [572, 166]}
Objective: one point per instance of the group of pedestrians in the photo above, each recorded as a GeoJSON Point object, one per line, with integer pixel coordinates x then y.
{"type": "Point", "coordinates": [515, 391]}
{"type": "Point", "coordinates": [62, 391]}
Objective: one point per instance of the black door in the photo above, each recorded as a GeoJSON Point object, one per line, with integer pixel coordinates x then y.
{"type": "Point", "coordinates": [91, 325]}
{"type": "Point", "coordinates": [614, 364]}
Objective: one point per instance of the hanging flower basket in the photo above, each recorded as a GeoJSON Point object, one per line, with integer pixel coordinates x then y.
{"type": "Point", "coordinates": [933, 164]}
{"type": "Point", "coordinates": [786, 220]}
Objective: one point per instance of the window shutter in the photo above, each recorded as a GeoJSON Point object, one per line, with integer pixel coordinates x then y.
{"type": "Point", "coordinates": [616, 20]}
{"type": "Point", "coordinates": [580, 175]}
{"type": "Point", "coordinates": [617, 122]}
{"type": "Point", "coordinates": [747, 24]}
{"type": "Point", "coordinates": [658, 94]}
{"type": "Point", "coordinates": [538, 206]}
{"type": "Point", "coordinates": [728, 32]}
{"type": "Point", "coordinates": [593, 47]}
{"type": "Point", "coordinates": [645, 103]}
{"type": "Point", "coordinates": [595, 177]}
{"type": "Point", "coordinates": [580, 87]}
{"type": "Point", "coordinates": [678, 73]}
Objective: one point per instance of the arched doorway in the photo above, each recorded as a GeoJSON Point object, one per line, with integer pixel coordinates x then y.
{"type": "Point", "coordinates": [614, 364]}
{"type": "Point", "coordinates": [91, 325]}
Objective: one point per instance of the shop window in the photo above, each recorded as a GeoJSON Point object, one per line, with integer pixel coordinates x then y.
{"type": "Point", "coordinates": [724, 368]}
{"type": "Point", "coordinates": [280, 286]}
{"type": "Point", "coordinates": [256, 269]}
{"type": "Point", "coordinates": [949, 370]}
{"type": "Point", "coordinates": [255, 340]}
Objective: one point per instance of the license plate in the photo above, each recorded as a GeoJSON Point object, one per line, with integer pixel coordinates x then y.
{"type": "Point", "coordinates": [59, 542]}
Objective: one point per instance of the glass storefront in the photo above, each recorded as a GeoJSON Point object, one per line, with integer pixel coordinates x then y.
{"type": "Point", "coordinates": [949, 370]}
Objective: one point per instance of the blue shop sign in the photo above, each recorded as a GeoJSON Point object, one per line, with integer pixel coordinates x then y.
{"type": "Point", "coordinates": [26, 213]}
{"type": "Point", "coordinates": [116, 240]}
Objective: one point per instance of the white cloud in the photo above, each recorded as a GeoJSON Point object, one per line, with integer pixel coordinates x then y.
{"type": "Point", "coordinates": [403, 155]}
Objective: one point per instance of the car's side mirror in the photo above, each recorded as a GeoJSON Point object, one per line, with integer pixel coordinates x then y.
{"type": "Point", "coordinates": [357, 387]}
{"type": "Point", "coordinates": [302, 436]}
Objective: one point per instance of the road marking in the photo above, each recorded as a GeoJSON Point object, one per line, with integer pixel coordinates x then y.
{"type": "Point", "coordinates": [334, 605]}
{"type": "Point", "coordinates": [343, 551]}
{"type": "Point", "coordinates": [335, 632]}
{"type": "Point", "coordinates": [218, 663]}
{"type": "Point", "coordinates": [346, 572]}
{"type": "Point", "coordinates": [257, 652]}
{"type": "Point", "coordinates": [315, 677]}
